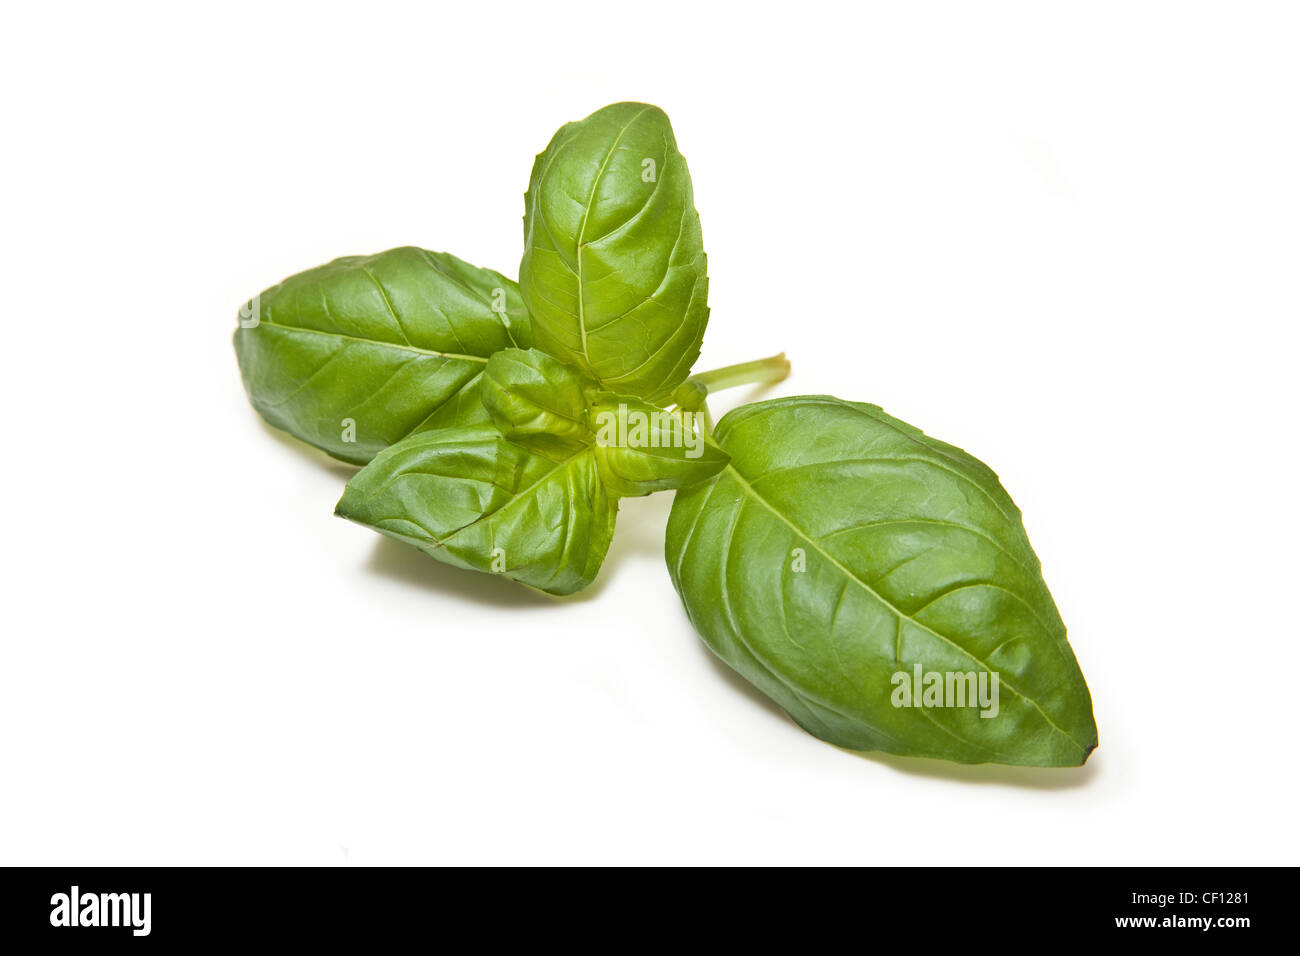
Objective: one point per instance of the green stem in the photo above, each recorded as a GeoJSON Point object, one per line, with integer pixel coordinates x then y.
{"type": "Point", "coordinates": [707, 417]}
{"type": "Point", "coordinates": [692, 393]}
{"type": "Point", "coordinates": [764, 371]}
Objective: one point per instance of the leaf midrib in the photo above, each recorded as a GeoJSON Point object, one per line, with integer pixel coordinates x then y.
{"type": "Point", "coordinates": [582, 229]}
{"type": "Point", "coordinates": [560, 465]}
{"type": "Point", "coordinates": [455, 356]}
{"type": "Point", "coordinates": [749, 490]}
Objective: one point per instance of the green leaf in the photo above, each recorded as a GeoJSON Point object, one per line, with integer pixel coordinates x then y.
{"type": "Point", "coordinates": [613, 271]}
{"type": "Point", "coordinates": [642, 448]}
{"type": "Point", "coordinates": [841, 547]}
{"type": "Point", "coordinates": [535, 400]}
{"type": "Point", "coordinates": [354, 355]}
{"type": "Point", "coordinates": [473, 499]}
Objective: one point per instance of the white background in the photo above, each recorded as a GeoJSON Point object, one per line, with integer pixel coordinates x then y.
{"type": "Point", "coordinates": [1064, 237]}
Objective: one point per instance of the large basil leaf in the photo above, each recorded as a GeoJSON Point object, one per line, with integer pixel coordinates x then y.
{"type": "Point", "coordinates": [613, 271]}
{"type": "Point", "coordinates": [842, 547]}
{"type": "Point", "coordinates": [470, 497]}
{"type": "Point", "coordinates": [356, 354]}
{"type": "Point", "coordinates": [642, 448]}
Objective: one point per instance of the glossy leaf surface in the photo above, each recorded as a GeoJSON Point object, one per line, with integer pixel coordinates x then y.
{"type": "Point", "coordinates": [356, 354]}
{"type": "Point", "coordinates": [841, 547]}
{"type": "Point", "coordinates": [614, 271]}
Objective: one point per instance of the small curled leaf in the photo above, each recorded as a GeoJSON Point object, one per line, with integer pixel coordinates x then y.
{"type": "Point", "coordinates": [642, 448]}
{"type": "Point", "coordinates": [536, 400]}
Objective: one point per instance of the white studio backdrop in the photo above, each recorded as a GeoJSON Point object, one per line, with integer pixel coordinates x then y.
{"type": "Point", "coordinates": [1063, 237]}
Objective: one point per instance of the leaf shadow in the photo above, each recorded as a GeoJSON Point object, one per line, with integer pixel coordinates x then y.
{"type": "Point", "coordinates": [1030, 778]}
{"type": "Point", "coordinates": [408, 565]}
{"type": "Point", "coordinates": [639, 532]}
{"type": "Point", "coordinates": [341, 469]}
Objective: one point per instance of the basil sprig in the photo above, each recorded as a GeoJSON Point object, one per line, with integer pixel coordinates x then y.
{"type": "Point", "coordinates": [873, 581]}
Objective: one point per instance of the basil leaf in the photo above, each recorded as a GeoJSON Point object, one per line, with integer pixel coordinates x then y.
{"type": "Point", "coordinates": [473, 499]}
{"type": "Point", "coordinates": [842, 547]}
{"type": "Point", "coordinates": [535, 400]}
{"type": "Point", "coordinates": [613, 271]}
{"type": "Point", "coordinates": [360, 352]}
{"type": "Point", "coordinates": [642, 448]}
